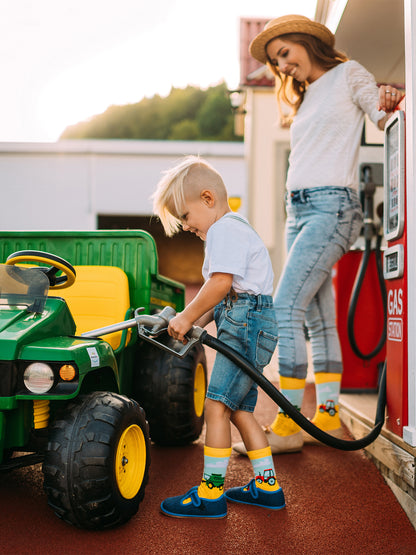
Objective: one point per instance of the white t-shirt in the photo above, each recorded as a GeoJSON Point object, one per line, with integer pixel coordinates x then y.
{"type": "Point", "coordinates": [233, 247]}
{"type": "Point", "coordinates": [326, 131]}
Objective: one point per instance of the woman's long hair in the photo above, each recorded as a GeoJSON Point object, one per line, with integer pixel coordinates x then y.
{"type": "Point", "coordinates": [289, 90]}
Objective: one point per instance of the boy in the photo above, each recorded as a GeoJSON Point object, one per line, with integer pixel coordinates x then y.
{"type": "Point", "coordinates": [238, 284]}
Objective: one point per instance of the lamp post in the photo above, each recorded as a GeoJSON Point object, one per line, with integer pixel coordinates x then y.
{"type": "Point", "coordinates": [237, 101]}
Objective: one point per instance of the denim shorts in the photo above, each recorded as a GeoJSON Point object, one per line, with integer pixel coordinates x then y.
{"type": "Point", "coordinates": [249, 326]}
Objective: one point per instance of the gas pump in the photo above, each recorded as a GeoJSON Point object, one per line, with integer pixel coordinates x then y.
{"type": "Point", "coordinates": [371, 228]}
{"type": "Point", "coordinates": [395, 273]}
{"type": "Point", "coordinates": [360, 295]}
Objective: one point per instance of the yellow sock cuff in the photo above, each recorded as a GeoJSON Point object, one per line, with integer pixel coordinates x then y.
{"type": "Point", "coordinates": [217, 452]}
{"type": "Point", "coordinates": [291, 383]}
{"type": "Point", "coordinates": [325, 377]}
{"type": "Point", "coordinates": [259, 453]}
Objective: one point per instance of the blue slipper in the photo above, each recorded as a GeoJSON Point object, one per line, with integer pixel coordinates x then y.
{"type": "Point", "coordinates": [252, 495]}
{"type": "Point", "coordinates": [191, 505]}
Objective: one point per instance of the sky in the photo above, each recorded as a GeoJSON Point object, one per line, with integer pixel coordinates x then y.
{"type": "Point", "coordinates": [63, 61]}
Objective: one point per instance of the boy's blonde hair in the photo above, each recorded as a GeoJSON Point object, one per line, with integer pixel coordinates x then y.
{"type": "Point", "coordinates": [187, 179]}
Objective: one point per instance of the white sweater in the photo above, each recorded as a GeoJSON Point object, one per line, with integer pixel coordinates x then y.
{"type": "Point", "coordinates": [326, 131]}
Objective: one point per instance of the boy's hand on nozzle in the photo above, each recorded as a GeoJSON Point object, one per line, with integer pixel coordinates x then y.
{"type": "Point", "coordinates": [179, 326]}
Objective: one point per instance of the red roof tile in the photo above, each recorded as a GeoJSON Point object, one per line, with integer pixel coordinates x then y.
{"type": "Point", "coordinates": [249, 28]}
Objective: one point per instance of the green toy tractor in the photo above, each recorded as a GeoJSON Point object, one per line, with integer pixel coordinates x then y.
{"type": "Point", "coordinates": [86, 403]}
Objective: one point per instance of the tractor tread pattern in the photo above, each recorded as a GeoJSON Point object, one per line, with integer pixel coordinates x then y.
{"type": "Point", "coordinates": [78, 466]}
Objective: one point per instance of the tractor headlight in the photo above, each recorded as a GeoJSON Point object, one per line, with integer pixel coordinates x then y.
{"type": "Point", "coordinates": [38, 377]}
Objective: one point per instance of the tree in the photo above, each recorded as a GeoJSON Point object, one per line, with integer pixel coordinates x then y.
{"type": "Point", "coordinates": [185, 114]}
{"type": "Point", "coordinates": [185, 130]}
{"type": "Point", "coordinates": [214, 114]}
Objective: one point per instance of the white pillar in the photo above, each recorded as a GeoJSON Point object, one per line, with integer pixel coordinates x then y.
{"type": "Point", "coordinates": [409, 432]}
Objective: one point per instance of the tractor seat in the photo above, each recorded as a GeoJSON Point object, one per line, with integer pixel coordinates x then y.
{"type": "Point", "coordinates": [99, 297]}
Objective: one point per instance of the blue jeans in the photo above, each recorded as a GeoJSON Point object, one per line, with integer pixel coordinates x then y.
{"type": "Point", "coordinates": [248, 325]}
{"type": "Point", "coordinates": [322, 224]}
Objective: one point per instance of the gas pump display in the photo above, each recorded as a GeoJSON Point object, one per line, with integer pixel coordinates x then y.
{"type": "Point", "coordinates": [394, 195]}
{"type": "Point", "coordinates": [394, 178]}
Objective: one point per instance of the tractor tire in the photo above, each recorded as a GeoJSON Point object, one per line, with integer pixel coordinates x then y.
{"type": "Point", "coordinates": [172, 392]}
{"type": "Point", "coordinates": [97, 460]}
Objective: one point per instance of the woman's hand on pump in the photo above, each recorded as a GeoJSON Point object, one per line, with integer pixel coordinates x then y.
{"type": "Point", "coordinates": [388, 98]}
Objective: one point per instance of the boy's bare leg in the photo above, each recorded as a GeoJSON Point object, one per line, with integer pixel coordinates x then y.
{"type": "Point", "coordinates": [218, 427]}
{"type": "Point", "coordinates": [250, 430]}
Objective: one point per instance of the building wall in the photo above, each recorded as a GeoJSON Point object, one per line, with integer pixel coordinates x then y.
{"type": "Point", "coordinates": [66, 185]}
{"type": "Point", "coordinates": [267, 146]}
{"type": "Point", "coordinates": [89, 184]}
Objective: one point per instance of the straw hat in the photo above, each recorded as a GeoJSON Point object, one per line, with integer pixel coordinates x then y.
{"type": "Point", "coordinates": [288, 24]}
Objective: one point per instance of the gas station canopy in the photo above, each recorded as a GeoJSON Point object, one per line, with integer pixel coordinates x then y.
{"type": "Point", "coordinates": [371, 32]}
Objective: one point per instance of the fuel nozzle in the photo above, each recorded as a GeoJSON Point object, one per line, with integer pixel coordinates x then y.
{"type": "Point", "coordinates": [368, 189]}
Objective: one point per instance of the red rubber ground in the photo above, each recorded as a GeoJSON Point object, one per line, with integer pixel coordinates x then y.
{"type": "Point", "coordinates": [337, 503]}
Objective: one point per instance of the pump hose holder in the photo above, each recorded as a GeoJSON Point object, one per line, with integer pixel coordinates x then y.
{"type": "Point", "coordinates": [356, 293]}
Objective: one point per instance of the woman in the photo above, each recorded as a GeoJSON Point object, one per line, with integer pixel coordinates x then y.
{"type": "Point", "coordinates": [327, 96]}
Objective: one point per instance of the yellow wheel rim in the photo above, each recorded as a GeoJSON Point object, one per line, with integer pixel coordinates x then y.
{"type": "Point", "coordinates": [130, 461]}
{"type": "Point", "coordinates": [199, 389]}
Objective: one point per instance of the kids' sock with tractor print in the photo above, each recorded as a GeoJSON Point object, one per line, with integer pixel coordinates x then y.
{"type": "Point", "coordinates": [327, 386]}
{"type": "Point", "coordinates": [293, 389]}
{"type": "Point", "coordinates": [263, 466]}
{"type": "Point", "coordinates": [215, 468]}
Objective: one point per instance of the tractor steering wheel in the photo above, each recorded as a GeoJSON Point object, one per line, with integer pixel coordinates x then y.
{"type": "Point", "coordinates": [56, 264]}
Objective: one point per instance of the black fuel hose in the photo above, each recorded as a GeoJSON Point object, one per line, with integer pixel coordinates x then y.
{"type": "Point", "coordinates": [293, 412]}
{"type": "Point", "coordinates": [356, 293]}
